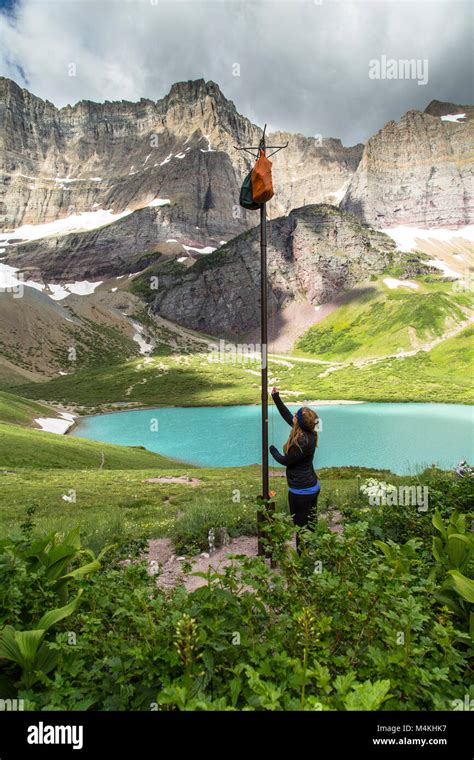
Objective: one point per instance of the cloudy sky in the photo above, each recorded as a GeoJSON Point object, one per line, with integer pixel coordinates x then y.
{"type": "Point", "coordinates": [300, 65]}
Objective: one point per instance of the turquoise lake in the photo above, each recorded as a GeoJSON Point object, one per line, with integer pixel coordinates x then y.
{"type": "Point", "coordinates": [399, 437]}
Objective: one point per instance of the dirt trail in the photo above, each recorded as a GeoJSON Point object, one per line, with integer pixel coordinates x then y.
{"type": "Point", "coordinates": [183, 479]}
{"type": "Point", "coordinates": [161, 556]}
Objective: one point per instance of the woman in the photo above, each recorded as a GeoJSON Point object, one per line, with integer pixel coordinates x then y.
{"type": "Point", "coordinates": [303, 483]}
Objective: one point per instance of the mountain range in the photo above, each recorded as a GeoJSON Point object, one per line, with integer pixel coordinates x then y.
{"type": "Point", "coordinates": [97, 192]}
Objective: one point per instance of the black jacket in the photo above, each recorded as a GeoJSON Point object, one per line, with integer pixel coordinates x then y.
{"type": "Point", "coordinates": [298, 461]}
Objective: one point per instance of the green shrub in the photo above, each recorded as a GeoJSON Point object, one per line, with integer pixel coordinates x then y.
{"type": "Point", "coordinates": [190, 532]}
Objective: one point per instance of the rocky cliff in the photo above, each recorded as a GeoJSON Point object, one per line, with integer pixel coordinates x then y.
{"type": "Point", "coordinates": [418, 171]}
{"type": "Point", "coordinates": [313, 254]}
{"type": "Point", "coordinates": [121, 155]}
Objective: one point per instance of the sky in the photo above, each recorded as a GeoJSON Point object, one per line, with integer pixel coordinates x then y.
{"type": "Point", "coordinates": [319, 67]}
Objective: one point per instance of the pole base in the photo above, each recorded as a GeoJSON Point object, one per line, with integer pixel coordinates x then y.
{"type": "Point", "coordinates": [264, 516]}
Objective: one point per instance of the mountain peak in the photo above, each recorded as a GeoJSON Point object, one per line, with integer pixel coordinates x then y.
{"type": "Point", "coordinates": [194, 89]}
{"type": "Point", "coordinates": [441, 108]}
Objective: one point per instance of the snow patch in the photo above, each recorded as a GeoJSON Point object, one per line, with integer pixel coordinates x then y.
{"type": "Point", "coordinates": [392, 283]}
{"type": "Point", "coordinates": [66, 180]}
{"type": "Point", "coordinates": [10, 280]}
{"type": "Point", "coordinates": [171, 240]}
{"type": "Point", "coordinates": [180, 155]}
{"type": "Point", "coordinates": [83, 288]}
{"type": "Point", "coordinates": [405, 237]}
{"type": "Point", "coordinates": [57, 292]}
{"type": "Point", "coordinates": [86, 220]}
{"type": "Point", "coordinates": [453, 117]}
{"type": "Point", "coordinates": [338, 195]}
{"type": "Point", "coordinates": [145, 347]}
{"type": "Point", "coordinates": [182, 258]}
{"type": "Point", "coordinates": [54, 425]}
{"type": "Point", "coordinates": [168, 158]}
{"type": "Point", "coordinates": [444, 268]}
{"type": "Point", "coordinates": [159, 202]}
{"type": "Point", "coordinates": [207, 249]}
{"type": "Point", "coordinates": [209, 149]}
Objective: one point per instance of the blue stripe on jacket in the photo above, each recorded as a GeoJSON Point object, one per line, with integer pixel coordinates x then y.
{"type": "Point", "coordinates": [306, 491]}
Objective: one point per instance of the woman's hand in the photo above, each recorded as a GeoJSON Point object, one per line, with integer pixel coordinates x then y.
{"type": "Point", "coordinates": [275, 390]}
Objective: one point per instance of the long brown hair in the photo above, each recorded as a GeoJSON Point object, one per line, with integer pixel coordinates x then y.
{"type": "Point", "coordinates": [310, 420]}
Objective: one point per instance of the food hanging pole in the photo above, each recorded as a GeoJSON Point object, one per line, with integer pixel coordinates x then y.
{"type": "Point", "coordinates": [264, 349]}
{"type": "Point", "coordinates": [264, 339]}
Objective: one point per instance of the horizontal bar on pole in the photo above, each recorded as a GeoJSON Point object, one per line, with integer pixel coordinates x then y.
{"type": "Point", "coordinates": [257, 147]}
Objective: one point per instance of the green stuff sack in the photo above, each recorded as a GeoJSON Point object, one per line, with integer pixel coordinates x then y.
{"type": "Point", "coordinates": [246, 198]}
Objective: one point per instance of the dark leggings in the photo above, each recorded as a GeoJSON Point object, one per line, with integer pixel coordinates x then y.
{"type": "Point", "coordinates": [303, 510]}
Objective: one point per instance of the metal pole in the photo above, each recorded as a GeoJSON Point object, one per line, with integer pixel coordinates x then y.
{"type": "Point", "coordinates": [264, 341]}
{"type": "Point", "coordinates": [264, 368]}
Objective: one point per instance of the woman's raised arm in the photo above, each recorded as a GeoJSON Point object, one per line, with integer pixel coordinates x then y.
{"type": "Point", "coordinates": [284, 411]}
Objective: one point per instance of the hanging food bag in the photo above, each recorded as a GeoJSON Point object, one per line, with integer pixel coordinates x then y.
{"type": "Point", "coordinates": [246, 199]}
{"type": "Point", "coordinates": [262, 185]}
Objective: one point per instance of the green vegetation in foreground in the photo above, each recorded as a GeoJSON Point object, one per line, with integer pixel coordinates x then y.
{"type": "Point", "coordinates": [373, 618]}
{"type": "Point", "coordinates": [383, 321]}
{"type": "Point", "coordinates": [23, 447]}
{"type": "Point", "coordinates": [444, 374]}
{"type": "Point", "coordinates": [21, 411]}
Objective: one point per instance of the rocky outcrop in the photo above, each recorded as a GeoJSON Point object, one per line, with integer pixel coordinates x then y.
{"type": "Point", "coordinates": [57, 162]}
{"type": "Point", "coordinates": [418, 171]}
{"type": "Point", "coordinates": [313, 254]}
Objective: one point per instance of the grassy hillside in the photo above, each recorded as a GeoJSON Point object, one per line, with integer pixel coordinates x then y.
{"type": "Point", "coordinates": [21, 411]}
{"type": "Point", "coordinates": [115, 505]}
{"type": "Point", "coordinates": [23, 447]}
{"type": "Point", "coordinates": [112, 503]}
{"type": "Point", "coordinates": [446, 374]}
{"type": "Point", "coordinates": [443, 374]}
{"type": "Point", "coordinates": [184, 380]}
{"type": "Point", "coordinates": [37, 334]}
{"type": "Point", "coordinates": [384, 321]}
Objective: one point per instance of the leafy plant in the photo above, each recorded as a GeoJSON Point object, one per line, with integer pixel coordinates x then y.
{"type": "Point", "coordinates": [28, 650]}
{"type": "Point", "coordinates": [33, 573]}
{"type": "Point", "coordinates": [454, 550]}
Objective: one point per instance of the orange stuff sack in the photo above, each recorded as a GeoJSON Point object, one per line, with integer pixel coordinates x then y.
{"type": "Point", "coordinates": [262, 185]}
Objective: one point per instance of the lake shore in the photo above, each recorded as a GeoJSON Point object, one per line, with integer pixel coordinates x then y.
{"type": "Point", "coordinates": [133, 408]}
